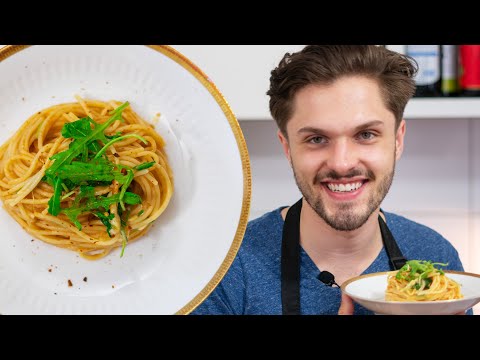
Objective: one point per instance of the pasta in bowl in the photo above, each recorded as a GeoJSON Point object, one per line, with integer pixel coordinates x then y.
{"type": "Point", "coordinates": [419, 288]}
{"type": "Point", "coordinates": [171, 262]}
{"type": "Point", "coordinates": [88, 176]}
{"type": "Point", "coordinates": [420, 280]}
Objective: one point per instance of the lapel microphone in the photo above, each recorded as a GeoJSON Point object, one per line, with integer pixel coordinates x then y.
{"type": "Point", "coordinates": [327, 278]}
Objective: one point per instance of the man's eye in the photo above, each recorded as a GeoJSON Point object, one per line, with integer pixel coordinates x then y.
{"type": "Point", "coordinates": [366, 135]}
{"type": "Point", "coordinates": [317, 140]}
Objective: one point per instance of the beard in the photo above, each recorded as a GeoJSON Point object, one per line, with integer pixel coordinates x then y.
{"type": "Point", "coordinates": [347, 216]}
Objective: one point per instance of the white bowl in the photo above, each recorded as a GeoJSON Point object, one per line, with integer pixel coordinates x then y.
{"type": "Point", "coordinates": [191, 246]}
{"type": "Point", "coordinates": [369, 291]}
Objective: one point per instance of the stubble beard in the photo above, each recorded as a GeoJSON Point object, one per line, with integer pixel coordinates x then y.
{"type": "Point", "coordinates": [348, 216]}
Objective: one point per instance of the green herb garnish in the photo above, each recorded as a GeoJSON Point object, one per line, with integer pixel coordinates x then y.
{"type": "Point", "coordinates": [419, 272]}
{"type": "Point", "coordinates": [85, 165]}
{"type": "Point", "coordinates": [144, 165]}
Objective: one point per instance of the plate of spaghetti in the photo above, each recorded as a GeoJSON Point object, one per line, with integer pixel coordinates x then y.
{"type": "Point", "coordinates": [419, 288]}
{"type": "Point", "coordinates": [124, 181]}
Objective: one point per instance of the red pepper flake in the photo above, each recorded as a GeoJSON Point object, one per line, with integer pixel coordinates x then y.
{"type": "Point", "coordinates": [70, 283]}
{"type": "Point", "coordinates": [85, 279]}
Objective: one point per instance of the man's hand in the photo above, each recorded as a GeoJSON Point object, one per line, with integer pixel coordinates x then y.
{"type": "Point", "coordinates": [346, 306]}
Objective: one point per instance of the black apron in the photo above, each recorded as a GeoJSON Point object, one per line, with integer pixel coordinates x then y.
{"type": "Point", "coordinates": [290, 261]}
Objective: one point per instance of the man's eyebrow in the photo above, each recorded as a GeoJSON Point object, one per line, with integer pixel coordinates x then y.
{"type": "Point", "coordinates": [369, 124]}
{"type": "Point", "coordinates": [312, 129]}
{"type": "Point", "coordinates": [309, 129]}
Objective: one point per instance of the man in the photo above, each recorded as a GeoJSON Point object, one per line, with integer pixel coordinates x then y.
{"type": "Point", "coordinates": [339, 110]}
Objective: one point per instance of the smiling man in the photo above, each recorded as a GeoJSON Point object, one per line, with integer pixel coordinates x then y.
{"type": "Point", "coordinates": [339, 110]}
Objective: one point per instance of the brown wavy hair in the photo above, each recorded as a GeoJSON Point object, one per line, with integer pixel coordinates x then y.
{"type": "Point", "coordinates": [324, 64]}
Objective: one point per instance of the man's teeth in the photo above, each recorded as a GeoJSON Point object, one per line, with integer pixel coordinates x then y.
{"type": "Point", "coordinates": [344, 187]}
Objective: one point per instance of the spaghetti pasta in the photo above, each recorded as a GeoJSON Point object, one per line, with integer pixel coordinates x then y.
{"type": "Point", "coordinates": [87, 176]}
{"type": "Point", "coordinates": [419, 280]}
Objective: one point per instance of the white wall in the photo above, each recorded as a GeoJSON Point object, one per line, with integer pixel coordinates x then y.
{"type": "Point", "coordinates": [241, 72]}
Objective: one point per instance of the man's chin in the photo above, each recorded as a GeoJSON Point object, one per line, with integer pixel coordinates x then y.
{"type": "Point", "coordinates": [342, 221]}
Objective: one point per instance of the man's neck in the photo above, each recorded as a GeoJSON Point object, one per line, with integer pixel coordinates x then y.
{"type": "Point", "coordinates": [343, 253]}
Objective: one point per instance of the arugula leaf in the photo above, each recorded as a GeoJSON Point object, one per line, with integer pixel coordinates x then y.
{"type": "Point", "coordinates": [125, 186]}
{"type": "Point", "coordinates": [120, 138]}
{"type": "Point", "coordinates": [86, 192]}
{"type": "Point", "coordinates": [93, 203]}
{"type": "Point", "coordinates": [54, 202]}
{"type": "Point", "coordinates": [123, 225]}
{"type": "Point", "coordinates": [78, 172]}
{"type": "Point", "coordinates": [77, 129]}
{"type": "Point", "coordinates": [105, 219]}
{"type": "Point", "coordinates": [124, 241]}
{"type": "Point", "coordinates": [144, 166]}
{"type": "Point", "coordinates": [65, 157]}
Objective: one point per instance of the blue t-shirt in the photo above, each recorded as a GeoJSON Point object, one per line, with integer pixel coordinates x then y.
{"type": "Point", "coordinates": [252, 285]}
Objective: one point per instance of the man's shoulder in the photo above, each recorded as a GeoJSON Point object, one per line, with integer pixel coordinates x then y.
{"type": "Point", "coordinates": [265, 222]}
{"type": "Point", "coordinates": [264, 230]}
{"type": "Point", "coordinates": [417, 239]}
{"type": "Point", "coordinates": [401, 224]}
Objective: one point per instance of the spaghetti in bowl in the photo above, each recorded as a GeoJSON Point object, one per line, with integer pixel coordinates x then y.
{"type": "Point", "coordinates": [369, 291]}
{"type": "Point", "coordinates": [88, 176]}
{"type": "Point", "coordinates": [190, 246]}
{"type": "Point", "coordinates": [420, 280]}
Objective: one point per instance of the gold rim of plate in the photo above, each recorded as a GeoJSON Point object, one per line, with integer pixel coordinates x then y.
{"type": "Point", "coordinates": [360, 277]}
{"type": "Point", "coordinates": [180, 59]}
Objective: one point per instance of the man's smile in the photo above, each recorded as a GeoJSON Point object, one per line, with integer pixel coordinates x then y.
{"type": "Point", "coordinates": [344, 190]}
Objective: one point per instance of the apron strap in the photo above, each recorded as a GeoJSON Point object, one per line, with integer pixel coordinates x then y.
{"type": "Point", "coordinates": [290, 261]}
{"type": "Point", "coordinates": [397, 260]}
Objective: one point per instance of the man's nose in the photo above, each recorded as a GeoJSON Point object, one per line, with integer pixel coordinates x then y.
{"type": "Point", "coordinates": [343, 156]}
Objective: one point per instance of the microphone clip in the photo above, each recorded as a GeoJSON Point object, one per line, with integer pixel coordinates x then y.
{"type": "Point", "coordinates": [327, 278]}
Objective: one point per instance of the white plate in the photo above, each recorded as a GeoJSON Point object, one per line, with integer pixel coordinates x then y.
{"type": "Point", "coordinates": [191, 246]}
{"type": "Point", "coordinates": [369, 291]}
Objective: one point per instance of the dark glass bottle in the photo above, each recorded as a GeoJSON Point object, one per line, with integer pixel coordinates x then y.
{"type": "Point", "coordinates": [429, 76]}
{"type": "Point", "coordinates": [470, 70]}
{"type": "Point", "coordinates": [450, 83]}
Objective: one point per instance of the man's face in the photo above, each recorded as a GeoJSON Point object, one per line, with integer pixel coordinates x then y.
{"type": "Point", "coordinates": [343, 146]}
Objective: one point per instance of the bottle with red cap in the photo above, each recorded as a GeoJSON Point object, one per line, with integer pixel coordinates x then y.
{"type": "Point", "coordinates": [470, 70]}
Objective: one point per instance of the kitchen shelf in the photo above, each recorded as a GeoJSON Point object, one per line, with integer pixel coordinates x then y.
{"type": "Point", "coordinates": [417, 108]}
{"type": "Point", "coordinates": [245, 90]}
{"type": "Point", "coordinates": [443, 108]}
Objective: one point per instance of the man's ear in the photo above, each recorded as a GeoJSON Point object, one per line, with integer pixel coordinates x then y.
{"type": "Point", "coordinates": [285, 146]}
{"type": "Point", "coordinates": [399, 139]}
